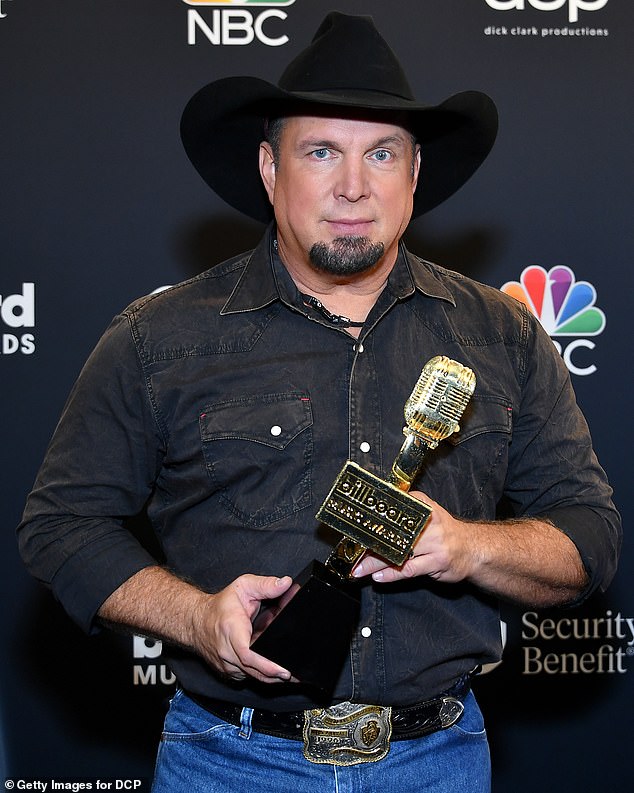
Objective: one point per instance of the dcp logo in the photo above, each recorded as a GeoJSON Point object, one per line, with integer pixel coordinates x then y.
{"type": "Point", "coordinates": [564, 306]}
{"type": "Point", "coordinates": [574, 6]}
{"type": "Point", "coordinates": [227, 24]}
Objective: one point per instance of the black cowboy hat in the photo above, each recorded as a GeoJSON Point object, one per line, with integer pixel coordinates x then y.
{"type": "Point", "coordinates": [347, 65]}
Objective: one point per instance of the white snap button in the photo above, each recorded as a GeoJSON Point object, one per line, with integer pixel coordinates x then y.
{"type": "Point", "coordinates": [366, 632]}
{"type": "Point", "coordinates": [365, 447]}
{"type": "Point", "coordinates": [275, 430]}
{"type": "Point", "coordinates": [358, 347]}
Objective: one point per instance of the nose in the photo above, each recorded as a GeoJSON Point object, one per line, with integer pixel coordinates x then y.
{"type": "Point", "coordinates": [352, 180]}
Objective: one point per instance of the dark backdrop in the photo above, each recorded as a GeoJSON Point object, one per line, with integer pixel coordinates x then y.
{"type": "Point", "coordinates": [98, 205]}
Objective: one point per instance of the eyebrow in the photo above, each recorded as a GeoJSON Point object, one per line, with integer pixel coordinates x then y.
{"type": "Point", "coordinates": [320, 143]}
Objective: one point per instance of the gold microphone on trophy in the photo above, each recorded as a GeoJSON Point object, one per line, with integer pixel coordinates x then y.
{"type": "Point", "coordinates": [377, 515]}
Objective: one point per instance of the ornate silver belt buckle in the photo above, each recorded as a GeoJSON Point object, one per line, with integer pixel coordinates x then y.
{"type": "Point", "coordinates": [347, 734]}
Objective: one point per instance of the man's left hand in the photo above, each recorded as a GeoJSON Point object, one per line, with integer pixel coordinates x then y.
{"type": "Point", "coordinates": [441, 552]}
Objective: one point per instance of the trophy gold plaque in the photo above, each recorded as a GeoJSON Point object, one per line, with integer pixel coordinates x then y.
{"type": "Point", "coordinates": [308, 630]}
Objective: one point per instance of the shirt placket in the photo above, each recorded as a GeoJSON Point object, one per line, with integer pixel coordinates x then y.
{"type": "Point", "coordinates": [365, 448]}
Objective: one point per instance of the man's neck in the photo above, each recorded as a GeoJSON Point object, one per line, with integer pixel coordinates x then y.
{"type": "Point", "coordinates": [351, 296]}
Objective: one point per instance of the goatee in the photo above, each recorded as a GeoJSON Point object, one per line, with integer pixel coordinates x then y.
{"type": "Point", "coordinates": [346, 255]}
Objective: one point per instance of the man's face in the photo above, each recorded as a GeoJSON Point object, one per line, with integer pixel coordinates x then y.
{"type": "Point", "coordinates": [342, 191]}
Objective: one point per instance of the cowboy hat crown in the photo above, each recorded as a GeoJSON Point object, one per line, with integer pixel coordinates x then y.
{"type": "Point", "coordinates": [371, 68]}
{"type": "Point", "coordinates": [349, 65]}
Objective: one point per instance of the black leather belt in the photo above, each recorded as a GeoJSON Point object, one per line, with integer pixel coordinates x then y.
{"type": "Point", "coordinates": [407, 723]}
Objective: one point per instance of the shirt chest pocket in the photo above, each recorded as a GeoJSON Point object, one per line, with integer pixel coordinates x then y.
{"type": "Point", "coordinates": [468, 471]}
{"type": "Point", "coordinates": [484, 414]}
{"type": "Point", "coordinates": [258, 453]}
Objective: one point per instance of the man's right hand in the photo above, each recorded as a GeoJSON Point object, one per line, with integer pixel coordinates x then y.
{"type": "Point", "coordinates": [218, 627]}
{"type": "Point", "coordinates": [223, 628]}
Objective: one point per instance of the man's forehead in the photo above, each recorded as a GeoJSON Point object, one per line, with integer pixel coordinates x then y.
{"type": "Point", "coordinates": [377, 124]}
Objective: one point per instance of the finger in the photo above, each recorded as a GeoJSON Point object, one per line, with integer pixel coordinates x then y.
{"type": "Point", "coordinates": [385, 573]}
{"type": "Point", "coordinates": [418, 494]}
{"type": "Point", "coordinates": [257, 588]}
{"type": "Point", "coordinates": [239, 666]}
{"type": "Point", "coordinates": [388, 574]}
{"type": "Point", "coordinates": [235, 673]}
{"type": "Point", "coordinates": [254, 664]}
{"type": "Point", "coordinates": [263, 668]}
{"type": "Point", "coordinates": [368, 566]}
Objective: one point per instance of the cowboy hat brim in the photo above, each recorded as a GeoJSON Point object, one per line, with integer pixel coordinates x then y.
{"type": "Point", "coordinates": [223, 125]}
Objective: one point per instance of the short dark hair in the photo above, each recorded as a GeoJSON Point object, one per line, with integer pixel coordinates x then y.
{"type": "Point", "coordinates": [273, 134]}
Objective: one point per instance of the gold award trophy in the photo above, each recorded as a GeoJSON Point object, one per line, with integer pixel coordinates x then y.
{"type": "Point", "coordinates": [308, 631]}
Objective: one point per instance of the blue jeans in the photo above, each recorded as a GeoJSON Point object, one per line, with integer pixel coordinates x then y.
{"type": "Point", "coordinates": [199, 753]}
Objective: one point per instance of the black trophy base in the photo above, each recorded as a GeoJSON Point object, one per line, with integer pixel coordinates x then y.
{"type": "Point", "coordinates": [308, 631]}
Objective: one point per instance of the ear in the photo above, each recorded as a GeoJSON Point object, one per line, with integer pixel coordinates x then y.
{"type": "Point", "coordinates": [416, 167]}
{"type": "Point", "coordinates": [267, 169]}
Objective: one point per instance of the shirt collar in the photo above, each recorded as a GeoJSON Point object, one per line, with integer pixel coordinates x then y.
{"type": "Point", "coordinates": [256, 287]}
{"type": "Point", "coordinates": [264, 280]}
{"type": "Point", "coordinates": [423, 276]}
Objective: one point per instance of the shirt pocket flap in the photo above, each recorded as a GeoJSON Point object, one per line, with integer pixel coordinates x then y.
{"type": "Point", "coordinates": [484, 414]}
{"type": "Point", "coordinates": [270, 419]}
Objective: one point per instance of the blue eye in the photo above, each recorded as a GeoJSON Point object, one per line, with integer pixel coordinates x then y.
{"type": "Point", "coordinates": [382, 155]}
{"type": "Point", "coordinates": [321, 154]}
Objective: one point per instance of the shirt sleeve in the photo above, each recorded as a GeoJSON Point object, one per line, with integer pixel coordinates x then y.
{"type": "Point", "coordinates": [553, 472]}
{"type": "Point", "coordinates": [99, 470]}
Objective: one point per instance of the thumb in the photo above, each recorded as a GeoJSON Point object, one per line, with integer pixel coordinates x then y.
{"type": "Point", "coordinates": [273, 587]}
{"type": "Point", "coordinates": [260, 587]}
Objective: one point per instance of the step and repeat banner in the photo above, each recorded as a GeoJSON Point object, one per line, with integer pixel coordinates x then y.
{"type": "Point", "coordinates": [99, 205]}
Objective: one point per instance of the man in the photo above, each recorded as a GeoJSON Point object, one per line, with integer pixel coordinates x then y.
{"type": "Point", "coordinates": [227, 405]}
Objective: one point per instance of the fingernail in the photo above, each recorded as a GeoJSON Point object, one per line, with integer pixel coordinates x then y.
{"type": "Point", "coordinates": [378, 576]}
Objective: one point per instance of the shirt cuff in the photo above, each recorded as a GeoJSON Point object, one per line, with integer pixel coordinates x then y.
{"type": "Point", "coordinates": [94, 572]}
{"type": "Point", "coordinates": [597, 537]}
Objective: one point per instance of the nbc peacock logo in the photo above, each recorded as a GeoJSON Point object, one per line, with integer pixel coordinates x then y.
{"type": "Point", "coordinates": [564, 306]}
